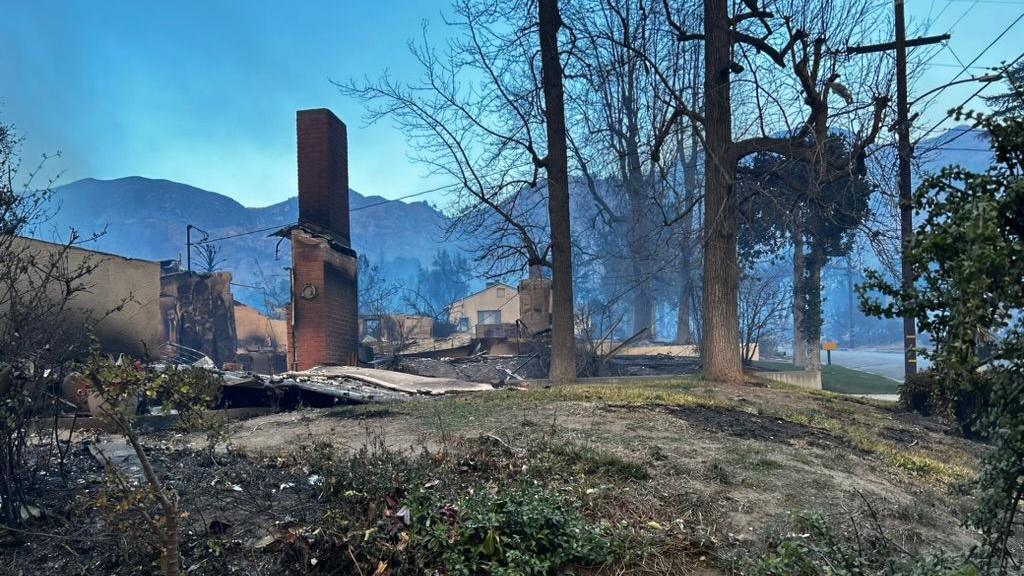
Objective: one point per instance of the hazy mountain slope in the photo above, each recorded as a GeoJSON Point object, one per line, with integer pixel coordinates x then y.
{"type": "Point", "coordinates": [146, 218]}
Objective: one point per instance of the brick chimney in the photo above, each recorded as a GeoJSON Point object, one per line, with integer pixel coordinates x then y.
{"type": "Point", "coordinates": [323, 325]}
{"type": "Point", "coordinates": [323, 171]}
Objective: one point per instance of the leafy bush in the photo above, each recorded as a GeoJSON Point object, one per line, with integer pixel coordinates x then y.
{"type": "Point", "coordinates": [521, 529]}
{"type": "Point", "coordinates": [967, 257]}
{"type": "Point", "coordinates": [423, 512]}
{"type": "Point", "coordinates": [117, 386]}
{"type": "Point", "coordinates": [920, 393]}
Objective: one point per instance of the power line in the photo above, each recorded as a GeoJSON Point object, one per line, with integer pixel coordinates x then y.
{"type": "Point", "coordinates": [356, 209]}
{"type": "Point", "coordinates": [955, 149]}
{"type": "Point", "coordinates": [965, 102]}
{"type": "Point", "coordinates": [279, 226]}
{"type": "Point", "coordinates": [406, 197]}
{"type": "Point", "coordinates": [941, 12]}
{"type": "Point", "coordinates": [422, 192]}
{"type": "Point", "coordinates": [976, 58]}
{"type": "Point", "coordinates": [967, 11]}
{"type": "Point", "coordinates": [218, 239]}
{"type": "Point", "coordinates": [949, 65]}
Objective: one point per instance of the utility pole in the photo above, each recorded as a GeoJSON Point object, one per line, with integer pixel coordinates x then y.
{"type": "Point", "coordinates": [905, 156]}
{"type": "Point", "coordinates": [188, 246]}
{"type": "Point", "coordinates": [906, 206]}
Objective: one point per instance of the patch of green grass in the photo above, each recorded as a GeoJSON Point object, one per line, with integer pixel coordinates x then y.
{"type": "Point", "coordinates": [674, 393]}
{"type": "Point", "coordinates": [836, 378]}
{"type": "Point", "coordinates": [909, 461]}
{"type": "Point", "coordinates": [839, 379]}
{"type": "Point", "coordinates": [589, 461]}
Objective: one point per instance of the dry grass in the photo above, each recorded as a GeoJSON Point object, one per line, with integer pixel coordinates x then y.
{"type": "Point", "coordinates": [691, 469]}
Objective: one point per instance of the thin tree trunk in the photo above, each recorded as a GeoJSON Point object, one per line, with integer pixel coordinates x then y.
{"type": "Point", "coordinates": [684, 335]}
{"type": "Point", "coordinates": [799, 339]}
{"type": "Point", "coordinates": [563, 339]}
{"type": "Point", "coordinates": [849, 302]}
{"type": "Point", "coordinates": [721, 334]}
{"type": "Point", "coordinates": [639, 238]}
{"type": "Point", "coordinates": [170, 556]}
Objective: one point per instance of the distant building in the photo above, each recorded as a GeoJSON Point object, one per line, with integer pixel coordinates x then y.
{"type": "Point", "coordinates": [496, 304]}
{"type": "Point", "coordinates": [390, 333]}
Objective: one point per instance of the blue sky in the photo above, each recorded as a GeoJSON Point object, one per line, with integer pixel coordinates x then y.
{"type": "Point", "coordinates": [204, 92]}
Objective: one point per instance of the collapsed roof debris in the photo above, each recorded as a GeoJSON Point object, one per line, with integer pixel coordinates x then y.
{"type": "Point", "coordinates": [350, 384]}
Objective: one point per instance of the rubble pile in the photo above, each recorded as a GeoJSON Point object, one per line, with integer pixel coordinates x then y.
{"type": "Point", "coordinates": [350, 384]}
{"type": "Point", "coordinates": [659, 365]}
{"type": "Point", "coordinates": [495, 370]}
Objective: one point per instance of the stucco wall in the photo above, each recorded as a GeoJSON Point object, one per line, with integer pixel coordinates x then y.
{"type": "Point", "coordinates": [255, 331]}
{"type": "Point", "coordinates": [499, 297]}
{"type": "Point", "coordinates": [116, 281]}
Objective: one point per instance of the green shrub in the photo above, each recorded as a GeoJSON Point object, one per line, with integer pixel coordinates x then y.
{"type": "Point", "coordinates": [818, 551]}
{"type": "Point", "coordinates": [918, 393]}
{"type": "Point", "coordinates": [518, 529]}
{"type": "Point", "coordinates": [422, 512]}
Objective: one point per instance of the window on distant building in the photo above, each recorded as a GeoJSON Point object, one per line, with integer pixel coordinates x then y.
{"type": "Point", "coordinates": [464, 324]}
{"type": "Point", "coordinates": [488, 317]}
{"type": "Point", "coordinates": [501, 292]}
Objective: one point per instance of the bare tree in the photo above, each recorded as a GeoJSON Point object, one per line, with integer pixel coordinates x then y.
{"type": "Point", "coordinates": [796, 42]}
{"type": "Point", "coordinates": [483, 115]}
{"type": "Point", "coordinates": [620, 108]}
{"type": "Point", "coordinates": [210, 260]}
{"type": "Point", "coordinates": [762, 310]}
{"type": "Point", "coordinates": [377, 292]}
{"type": "Point", "coordinates": [40, 328]}
{"type": "Point", "coordinates": [563, 339]}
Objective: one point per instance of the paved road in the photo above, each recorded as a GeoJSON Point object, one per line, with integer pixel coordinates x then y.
{"type": "Point", "coordinates": [883, 363]}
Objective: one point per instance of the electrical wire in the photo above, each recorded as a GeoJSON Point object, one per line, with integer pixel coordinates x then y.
{"type": "Point", "coordinates": [964, 103]}
{"type": "Point", "coordinates": [218, 239]}
{"type": "Point", "coordinates": [976, 58]}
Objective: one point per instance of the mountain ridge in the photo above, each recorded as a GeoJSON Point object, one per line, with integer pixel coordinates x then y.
{"type": "Point", "coordinates": [146, 218]}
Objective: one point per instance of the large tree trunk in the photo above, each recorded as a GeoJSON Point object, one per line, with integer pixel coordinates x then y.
{"type": "Point", "coordinates": [563, 338]}
{"type": "Point", "coordinates": [812, 332]}
{"type": "Point", "coordinates": [722, 358]}
{"type": "Point", "coordinates": [799, 339]}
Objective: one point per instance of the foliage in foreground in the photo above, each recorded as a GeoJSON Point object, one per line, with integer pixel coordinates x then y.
{"type": "Point", "coordinates": [408, 514]}
{"type": "Point", "coordinates": [40, 325]}
{"type": "Point", "coordinates": [119, 386]}
{"type": "Point", "coordinates": [968, 261]}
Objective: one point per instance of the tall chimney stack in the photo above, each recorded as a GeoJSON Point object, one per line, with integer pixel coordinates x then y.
{"type": "Point", "coordinates": [324, 315]}
{"type": "Point", "coordinates": [323, 172]}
